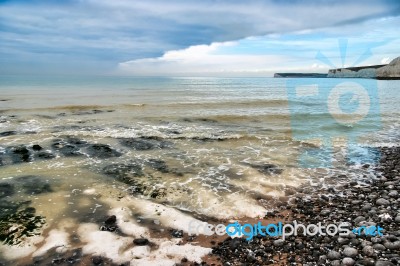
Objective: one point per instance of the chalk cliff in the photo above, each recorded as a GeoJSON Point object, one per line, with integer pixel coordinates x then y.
{"type": "Point", "coordinates": [390, 71]}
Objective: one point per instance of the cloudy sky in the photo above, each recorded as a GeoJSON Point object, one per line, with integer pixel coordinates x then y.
{"type": "Point", "coordinates": [195, 38]}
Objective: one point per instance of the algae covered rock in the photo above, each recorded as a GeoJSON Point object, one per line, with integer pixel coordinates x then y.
{"type": "Point", "coordinates": [18, 221]}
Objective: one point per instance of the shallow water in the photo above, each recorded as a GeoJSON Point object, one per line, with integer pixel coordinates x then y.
{"type": "Point", "coordinates": [208, 148]}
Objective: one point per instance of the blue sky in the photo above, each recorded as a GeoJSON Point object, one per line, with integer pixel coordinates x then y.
{"type": "Point", "coordinates": [193, 38]}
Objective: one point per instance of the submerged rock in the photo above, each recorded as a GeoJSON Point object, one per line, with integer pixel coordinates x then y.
{"type": "Point", "coordinates": [44, 155]}
{"type": "Point", "coordinates": [141, 241]}
{"type": "Point", "coordinates": [140, 182]}
{"type": "Point", "coordinates": [6, 190]}
{"type": "Point", "coordinates": [102, 151]}
{"type": "Point", "coordinates": [66, 149]}
{"type": "Point", "coordinates": [23, 154]}
{"type": "Point", "coordinates": [7, 133]}
{"type": "Point", "coordinates": [36, 147]}
{"type": "Point", "coordinates": [69, 146]}
{"type": "Point", "coordinates": [33, 184]}
{"type": "Point", "coordinates": [110, 224]}
{"type": "Point", "coordinates": [18, 154]}
{"type": "Point", "coordinates": [267, 169]}
{"type": "Point", "coordinates": [143, 144]}
{"type": "Point", "coordinates": [158, 165]}
{"type": "Point", "coordinates": [124, 172]}
{"type": "Point", "coordinates": [15, 226]}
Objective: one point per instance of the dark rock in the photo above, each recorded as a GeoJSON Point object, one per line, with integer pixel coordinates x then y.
{"type": "Point", "coordinates": [102, 151]}
{"type": "Point", "coordinates": [333, 255]}
{"type": "Point", "coordinates": [379, 247]}
{"type": "Point", "coordinates": [141, 242]}
{"type": "Point", "coordinates": [18, 223]}
{"type": "Point", "coordinates": [110, 224]}
{"type": "Point", "coordinates": [96, 260]}
{"type": "Point", "coordinates": [66, 149]}
{"type": "Point", "coordinates": [368, 251]}
{"type": "Point", "coordinates": [75, 141]}
{"type": "Point", "coordinates": [367, 262]}
{"type": "Point", "coordinates": [348, 262]}
{"type": "Point", "coordinates": [36, 147]}
{"type": "Point", "coordinates": [111, 220]}
{"type": "Point", "coordinates": [125, 173]}
{"type": "Point", "coordinates": [382, 201]}
{"type": "Point", "coordinates": [69, 146]}
{"type": "Point", "coordinates": [177, 233]}
{"type": "Point", "coordinates": [44, 155]}
{"type": "Point", "coordinates": [18, 154]}
{"type": "Point", "coordinates": [384, 263]}
{"type": "Point", "coordinates": [143, 144]}
{"type": "Point", "coordinates": [325, 212]}
{"type": "Point", "coordinates": [393, 194]}
{"type": "Point", "coordinates": [158, 165]}
{"type": "Point", "coordinates": [8, 133]}
{"type": "Point", "coordinates": [359, 219]}
{"type": "Point", "coordinates": [392, 245]}
{"type": "Point", "coordinates": [343, 241]}
{"type": "Point", "coordinates": [6, 190]}
{"type": "Point", "coordinates": [33, 184]}
{"type": "Point", "coordinates": [278, 243]}
{"type": "Point", "coordinates": [267, 169]}
{"type": "Point", "coordinates": [350, 252]}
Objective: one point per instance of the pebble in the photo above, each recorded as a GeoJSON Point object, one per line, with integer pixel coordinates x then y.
{"type": "Point", "coordinates": [333, 255]}
{"type": "Point", "coordinates": [278, 243]}
{"type": "Point", "coordinates": [348, 262]}
{"type": "Point", "coordinates": [141, 241]}
{"type": "Point", "coordinates": [368, 251]}
{"type": "Point", "coordinates": [384, 263]}
{"type": "Point", "coordinates": [350, 252]}
{"type": "Point", "coordinates": [371, 202]}
{"type": "Point", "coordinates": [382, 201]}
{"type": "Point", "coordinates": [379, 247]}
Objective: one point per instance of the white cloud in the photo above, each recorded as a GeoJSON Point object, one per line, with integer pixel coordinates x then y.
{"type": "Point", "coordinates": [121, 30]}
{"type": "Point", "coordinates": [265, 55]}
{"type": "Point", "coordinates": [203, 60]}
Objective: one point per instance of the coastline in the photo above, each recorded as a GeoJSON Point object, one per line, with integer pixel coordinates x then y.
{"type": "Point", "coordinates": [359, 204]}
{"type": "Point", "coordinates": [204, 160]}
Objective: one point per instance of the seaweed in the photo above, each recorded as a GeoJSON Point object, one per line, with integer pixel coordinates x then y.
{"type": "Point", "coordinates": [17, 224]}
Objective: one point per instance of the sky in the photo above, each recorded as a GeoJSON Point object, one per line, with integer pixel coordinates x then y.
{"type": "Point", "coordinates": [195, 38]}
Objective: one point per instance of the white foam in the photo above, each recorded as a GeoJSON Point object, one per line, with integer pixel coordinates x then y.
{"type": "Point", "coordinates": [168, 216]}
{"type": "Point", "coordinates": [89, 191]}
{"type": "Point", "coordinates": [22, 250]}
{"type": "Point", "coordinates": [127, 225]}
{"type": "Point", "coordinates": [120, 248]}
{"type": "Point", "coordinates": [109, 245]}
{"type": "Point", "coordinates": [56, 239]}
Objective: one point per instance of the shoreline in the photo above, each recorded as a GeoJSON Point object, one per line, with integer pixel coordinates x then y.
{"type": "Point", "coordinates": [325, 205]}
{"type": "Point", "coordinates": [361, 205]}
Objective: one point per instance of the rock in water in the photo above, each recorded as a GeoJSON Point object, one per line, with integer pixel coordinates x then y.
{"type": "Point", "coordinates": [141, 242]}
{"type": "Point", "coordinates": [102, 151]}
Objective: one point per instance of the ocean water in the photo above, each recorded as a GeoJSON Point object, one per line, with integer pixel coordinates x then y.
{"type": "Point", "coordinates": [207, 148]}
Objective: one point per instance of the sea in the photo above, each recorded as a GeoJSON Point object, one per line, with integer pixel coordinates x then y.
{"type": "Point", "coordinates": [162, 151]}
